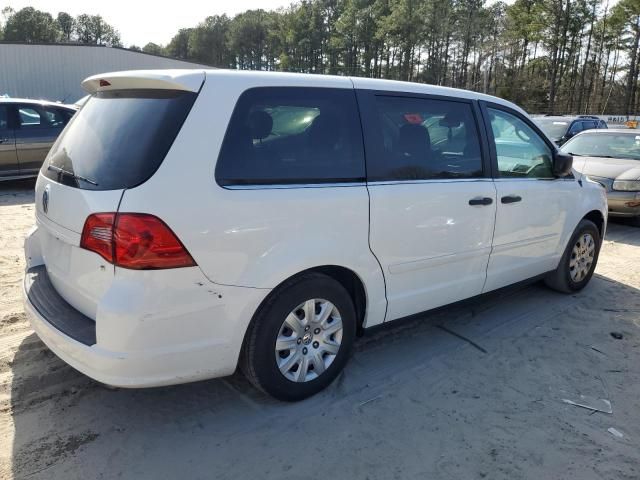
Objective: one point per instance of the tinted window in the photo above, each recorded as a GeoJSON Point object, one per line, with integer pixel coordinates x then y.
{"type": "Point", "coordinates": [4, 117]}
{"type": "Point", "coordinates": [119, 138]}
{"type": "Point", "coordinates": [576, 127]}
{"type": "Point", "coordinates": [520, 150]}
{"type": "Point", "coordinates": [57, 117]}
{"type": "Point", "coordinates": [425, 139]}
{"type": "Point", "coordinates": [553, 127]}
{"type": "Point", "coordinates": [292, 135]}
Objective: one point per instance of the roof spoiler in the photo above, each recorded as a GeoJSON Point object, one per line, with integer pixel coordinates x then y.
{"type": "Point", "coordinates": [187, 80]}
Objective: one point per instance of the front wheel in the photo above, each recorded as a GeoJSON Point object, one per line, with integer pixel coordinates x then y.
{"type": "Point", "coordinates": [578, 261]}
{"type": "Point", "coordinates": [300, 338]}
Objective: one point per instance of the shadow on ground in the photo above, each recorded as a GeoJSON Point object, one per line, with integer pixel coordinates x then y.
{"type": "Point", "coordinates": [471, 391]}
{"type": "Point", "coordinates": [621, 230]}
{"type": "Point", "coordinates": [17, 192]}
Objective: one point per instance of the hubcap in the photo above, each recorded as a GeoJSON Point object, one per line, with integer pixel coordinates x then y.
{"type": "Point", "coordinates": [308, 340]}
{"type": "Point", "coordinates": [582, 257]}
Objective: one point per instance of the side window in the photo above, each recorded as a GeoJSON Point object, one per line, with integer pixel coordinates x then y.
{"type": "Point", "coordinates": [292, 135]}
{"type": "Point", "coordinates": [520, 150]}
{"type": "Point", "coordinates": [425, 139]}
{"type": "Point", "coordinates": [30, 117]}
{"type": "Point", "coordinates": [576, 127]}
{"type": "Point", "coordinates": [4, 117]}
{"type": "Point", "coordinates": [56, 117]}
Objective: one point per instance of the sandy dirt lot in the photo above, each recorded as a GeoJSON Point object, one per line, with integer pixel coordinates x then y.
{"type": "Point", "coordinates": [415, 402]}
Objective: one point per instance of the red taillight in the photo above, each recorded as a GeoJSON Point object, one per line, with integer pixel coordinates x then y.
{"type": "Point", "coordinates": [145, 242]}
{"type": "Point", "coordinates": [134, 240]}
{"type": "Point", "coordinates": [97, 234]}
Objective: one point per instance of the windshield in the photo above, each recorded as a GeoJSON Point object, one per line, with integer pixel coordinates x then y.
{"type": "Point", "coordinates": [553, 128]}
{"type": "Point", "coordinates": [118, 139]}
{"type": "Point", "coordinates": [616, 145]}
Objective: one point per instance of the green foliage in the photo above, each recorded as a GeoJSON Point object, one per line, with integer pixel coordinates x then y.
{"type": "Point", "coordinates": [179, 45]}
{"type": "Point", "coordinates": [34, 26]}
{"type": "Point", "coordinates": [66, 25]}
{"type": "Point", "coordinates": [561, 56]}
{"type": "Point", "coordinates": [30, 25]}
{"type": "Point", "coordinates": [153, 49]}
{"type": "Point", "coordinates": [92, 29]}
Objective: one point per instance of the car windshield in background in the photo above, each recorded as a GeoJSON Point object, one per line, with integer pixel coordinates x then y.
{"type": "Point", "coordinates": [614, 145]}
{"type": "Point", "coordinates": [553, 128]}
{"type": "Point", "coordinates": [118, 139]}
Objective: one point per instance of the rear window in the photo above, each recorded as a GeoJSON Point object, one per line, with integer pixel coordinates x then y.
{"type": "Point", "coordinates": [118, 139]}
{"type": "Point", "coordinates": [296, 135]}
{"type": "Point", "coordinates": [553, 128]}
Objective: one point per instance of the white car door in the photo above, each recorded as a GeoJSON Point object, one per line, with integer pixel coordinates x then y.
{"type": "Point", "coordinates": [534, 208]}
{"type": "Point", "coordinates": [432, 201]}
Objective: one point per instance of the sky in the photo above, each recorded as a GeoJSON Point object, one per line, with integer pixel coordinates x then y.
{"type": "Point", "coordinates": [143, 21]}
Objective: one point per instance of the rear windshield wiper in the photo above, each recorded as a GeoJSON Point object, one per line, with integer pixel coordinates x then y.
{"type": "Point", "coordinates": [575, 154]}
{"type": "Point", "coordinates": [71, 174]}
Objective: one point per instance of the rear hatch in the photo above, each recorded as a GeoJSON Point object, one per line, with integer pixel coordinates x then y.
{"type": "Point", "coordinates": [116, 141]}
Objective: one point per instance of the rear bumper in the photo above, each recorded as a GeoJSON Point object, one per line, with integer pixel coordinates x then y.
{"type": "Point", "coordinates": [152, 328]}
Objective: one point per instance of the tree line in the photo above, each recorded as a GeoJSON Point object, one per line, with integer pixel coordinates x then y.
{"type": "Point", "coordinates": [550, 56]}
{"type": "Point", "coordinates": [35, 26]}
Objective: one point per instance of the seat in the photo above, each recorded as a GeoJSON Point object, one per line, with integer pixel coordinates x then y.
{"type": "Point", "coordinates": [260, 125]}
{"type": "Point", "coordinates": [324, 133]}
{"type": "Point", "coordinates": [414, 141]}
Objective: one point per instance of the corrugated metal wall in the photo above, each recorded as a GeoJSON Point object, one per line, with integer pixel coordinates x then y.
{"type": "Point", "coordinates": [54, 72]}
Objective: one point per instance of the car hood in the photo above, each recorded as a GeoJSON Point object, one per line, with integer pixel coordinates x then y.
{"type": "Point", "coordinates": [619, 168]}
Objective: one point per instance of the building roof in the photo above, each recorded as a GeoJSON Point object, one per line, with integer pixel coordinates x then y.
{"type": "Point", "coordinates": [93, 45]}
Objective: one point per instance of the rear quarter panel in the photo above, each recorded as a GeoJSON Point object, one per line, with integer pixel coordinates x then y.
{"type": "Point", "coordinates": [256, 237]}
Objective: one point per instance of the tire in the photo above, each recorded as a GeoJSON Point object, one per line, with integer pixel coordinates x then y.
{"type": "Point", "coordinates": [290, 373]}
{"type": "Point", "coordinates": [572, 275]}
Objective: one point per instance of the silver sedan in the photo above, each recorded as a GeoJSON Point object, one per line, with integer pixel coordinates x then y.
{"type": "Point", "coordinates": [612, 158]}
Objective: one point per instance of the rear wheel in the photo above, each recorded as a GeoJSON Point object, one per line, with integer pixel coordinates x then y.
{"type": "Point", "coordinates": [578, 261]}
{"type": "Point", "coordinates": [301, 338]}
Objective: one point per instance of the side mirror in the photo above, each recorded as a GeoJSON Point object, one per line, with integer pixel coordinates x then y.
{"type": "Point", "coordinates": [562, 163]}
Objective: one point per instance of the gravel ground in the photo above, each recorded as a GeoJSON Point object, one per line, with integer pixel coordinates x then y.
{"type": "Point", "coordinates": [470, 392]}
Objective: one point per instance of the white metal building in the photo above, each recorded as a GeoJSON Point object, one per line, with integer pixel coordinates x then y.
{"type": "Point", "coordinates": [54, 71]}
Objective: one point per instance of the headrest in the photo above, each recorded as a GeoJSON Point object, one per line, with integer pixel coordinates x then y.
{"type": "Point", "coordinates": [260, 124]}
{"type": "Point", "coordinates": [325, 128]}
{"type": "Point", "coordinates": [450, 120]}
{"type": "Point", "coordinates": [414, 140]}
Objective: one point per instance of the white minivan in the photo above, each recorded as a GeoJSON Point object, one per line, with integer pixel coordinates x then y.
{"type": "Point", "coordinates": [188, 222]}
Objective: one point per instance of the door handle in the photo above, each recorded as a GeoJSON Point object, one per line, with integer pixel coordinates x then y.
{"type": "Point", "coordinates": [511, 199]}
{"type": "Point", "coordinates": [481, 201]}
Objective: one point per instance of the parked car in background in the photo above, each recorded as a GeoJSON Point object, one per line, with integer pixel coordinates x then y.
{"type": "Point", "coordinates": [562, 128]}
{"type": "Point", "coordinates": [192, 221]}
{"type": "Point", "coordinates": [611, 158]}
{"type": "Point", "coordinates": [28, 128]}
